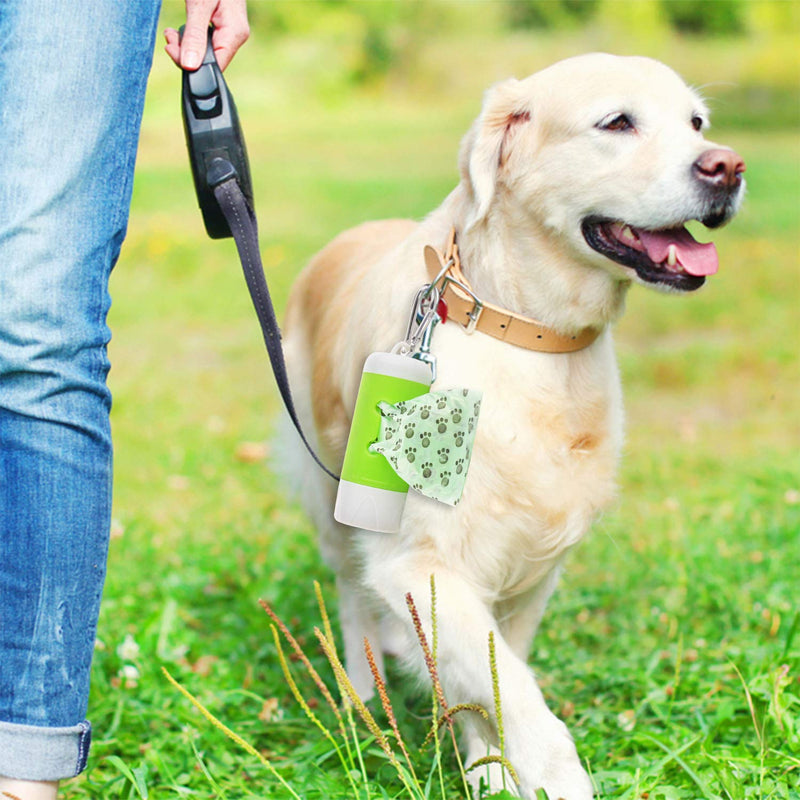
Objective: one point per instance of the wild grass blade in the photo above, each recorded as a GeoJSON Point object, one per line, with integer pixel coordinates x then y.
{"type": "Point", "coordinates": [305, 661]}
{"type": "Point", "coordinates": [498, 708]}
{"type": "Point", "coordinates": [675, 755]}
{"type": "Point", "coordinates": [298, 696]}
{"type": "Point", "coordinates": [496, 759]}
{"type": "Point", "coordinates": [231, 735]}
{"type": "Point", "coordinates": [219, 792]}
{"type": "Point", "coordinates": [429, 654]}
{"type": "Point", "coordinates": [448, 716]}
{"type": "Point", "coordinates": [380, 685]}
{"type": "Point", "coordinates": [430, 662]}
{"type": "Point", "coordinates": [347, 688]}
{"type": "Point", "coordinates": [136, 779]}
{"type": "Point", "coordinates": [751, 706]}
{"type": "Point", "coordinates": [323, 610]}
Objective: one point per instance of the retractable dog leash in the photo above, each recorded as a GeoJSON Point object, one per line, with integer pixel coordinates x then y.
{"type": "Point", "coordinates": [221, 173]}
{"type": "Point", "coordinates": [394, 396]}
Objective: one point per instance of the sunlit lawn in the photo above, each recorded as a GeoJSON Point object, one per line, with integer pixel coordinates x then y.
{"type": "Point", "coordinates": [677, 614]}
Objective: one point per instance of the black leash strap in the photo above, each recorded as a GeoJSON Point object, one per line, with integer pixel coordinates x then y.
{"type": "Point", "coordinates": [243, 225]}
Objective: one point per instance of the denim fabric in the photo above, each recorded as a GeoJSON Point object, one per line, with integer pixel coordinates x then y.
{"type": "Point", "coordinates": [72, 81]}
{"type": "Point", "coordinates": [48, 753]}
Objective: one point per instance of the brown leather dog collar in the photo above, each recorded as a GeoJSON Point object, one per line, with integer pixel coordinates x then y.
{"type": "Point", "coordinates": [464, 306]}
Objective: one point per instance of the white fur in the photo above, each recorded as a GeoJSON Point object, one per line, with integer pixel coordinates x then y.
{"type": "Point", "coordinates": [533, 165]}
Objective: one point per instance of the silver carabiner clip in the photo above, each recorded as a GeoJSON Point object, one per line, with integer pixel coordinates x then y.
{"type": "Point", "coordinates": [421, 322]}
{"type": "Point", "coordinates": [423, 316]}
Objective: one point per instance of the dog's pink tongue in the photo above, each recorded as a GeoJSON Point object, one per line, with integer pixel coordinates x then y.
{"type": "Point", "coordinates": [694, 257]}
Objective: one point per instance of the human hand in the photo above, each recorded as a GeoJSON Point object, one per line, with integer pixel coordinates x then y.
{"type": "Point", "coordinates": [231, 31]}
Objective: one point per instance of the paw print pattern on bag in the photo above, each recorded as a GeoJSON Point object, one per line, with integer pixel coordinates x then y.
{"type": "Point", "coordinates": [428, 441]}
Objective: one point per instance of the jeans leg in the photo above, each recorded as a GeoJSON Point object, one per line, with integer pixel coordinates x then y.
{"type": "Point", "coordinates": [72, 81]}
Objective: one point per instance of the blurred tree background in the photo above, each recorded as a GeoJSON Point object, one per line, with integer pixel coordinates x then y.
{"type": "Point", "coordinates": [395, 40]}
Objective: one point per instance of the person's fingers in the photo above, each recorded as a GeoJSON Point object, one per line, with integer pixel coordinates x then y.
{"type": "Point", "coordinates": [195, 33]}
{"type": "Point", "coordinates": [173, 46]}
{"type": "Point", "coordinates": [231, 29]}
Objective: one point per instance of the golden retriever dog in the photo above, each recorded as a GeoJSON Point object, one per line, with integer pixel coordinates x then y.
{"type": "Point", "coordinates": [576, 183]}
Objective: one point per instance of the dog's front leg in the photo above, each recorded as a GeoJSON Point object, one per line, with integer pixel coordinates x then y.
{"type": "Point", "coordinates": [358, 623]}
{"type": "Point", "coordinates": [537, 744]}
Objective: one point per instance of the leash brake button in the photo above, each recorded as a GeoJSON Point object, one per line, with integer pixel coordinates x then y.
{"type": "Point", "coordinates": [205, 92]}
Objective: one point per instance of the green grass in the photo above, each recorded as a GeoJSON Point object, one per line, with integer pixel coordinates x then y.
{"type": "Point", "coordinates": [672, 648]}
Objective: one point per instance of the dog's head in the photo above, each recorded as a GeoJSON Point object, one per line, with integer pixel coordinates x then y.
{"type": "Point", "coordinates": [606, 158]}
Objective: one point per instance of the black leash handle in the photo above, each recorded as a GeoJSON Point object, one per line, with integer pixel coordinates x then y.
{"type": "Point", "coordinates": [244, 228]}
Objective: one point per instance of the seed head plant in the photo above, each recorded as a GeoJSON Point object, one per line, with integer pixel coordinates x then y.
{"type": "Point", "coordinates": [415, 771]}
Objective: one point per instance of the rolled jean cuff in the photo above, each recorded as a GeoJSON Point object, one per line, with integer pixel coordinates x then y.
{"type": "Point", "coordinates": [31, 753]}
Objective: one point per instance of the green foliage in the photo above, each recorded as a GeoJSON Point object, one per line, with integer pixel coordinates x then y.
{"type": "Point", "coordinates": [550, 13]}
{"type": "Point", "coordinates": [376, 38]}
{"type": "Point", "coordinates": [706, 17]}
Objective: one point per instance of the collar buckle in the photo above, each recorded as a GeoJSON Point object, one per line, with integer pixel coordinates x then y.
{"type": "Point", "coordinates": [477, 304]}
{"type": "Point", "coordinates": [474, 316]}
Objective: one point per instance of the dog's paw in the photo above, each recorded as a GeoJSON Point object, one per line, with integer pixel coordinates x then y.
{"type": "Point", "coordinates": [552, 765]}
{"type": "Point", "coordinates": [576, 786]}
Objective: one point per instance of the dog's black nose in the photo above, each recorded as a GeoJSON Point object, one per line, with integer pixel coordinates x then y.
{"type": "Point", "coordinates": [720, 168]}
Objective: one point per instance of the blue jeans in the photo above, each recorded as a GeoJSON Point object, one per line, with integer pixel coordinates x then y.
{"type": "Point", "coordinates": [72, 82]}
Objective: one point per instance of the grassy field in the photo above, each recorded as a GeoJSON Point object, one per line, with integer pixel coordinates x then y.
{"type": "Point", "coordinates": [671, 649]}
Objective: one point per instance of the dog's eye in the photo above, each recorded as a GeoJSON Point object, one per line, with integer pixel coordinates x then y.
{"type": "Point", "coordinates": [697, 122]}
{"type": "Point", "coordinates": [617, 123]}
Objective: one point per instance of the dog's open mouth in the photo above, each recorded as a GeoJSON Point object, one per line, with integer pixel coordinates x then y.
{"type": "Point", "coordinates": [672, 257]}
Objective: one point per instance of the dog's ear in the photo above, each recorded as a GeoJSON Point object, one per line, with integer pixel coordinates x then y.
{"type": "Point", "coordinates": [490, 141]}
